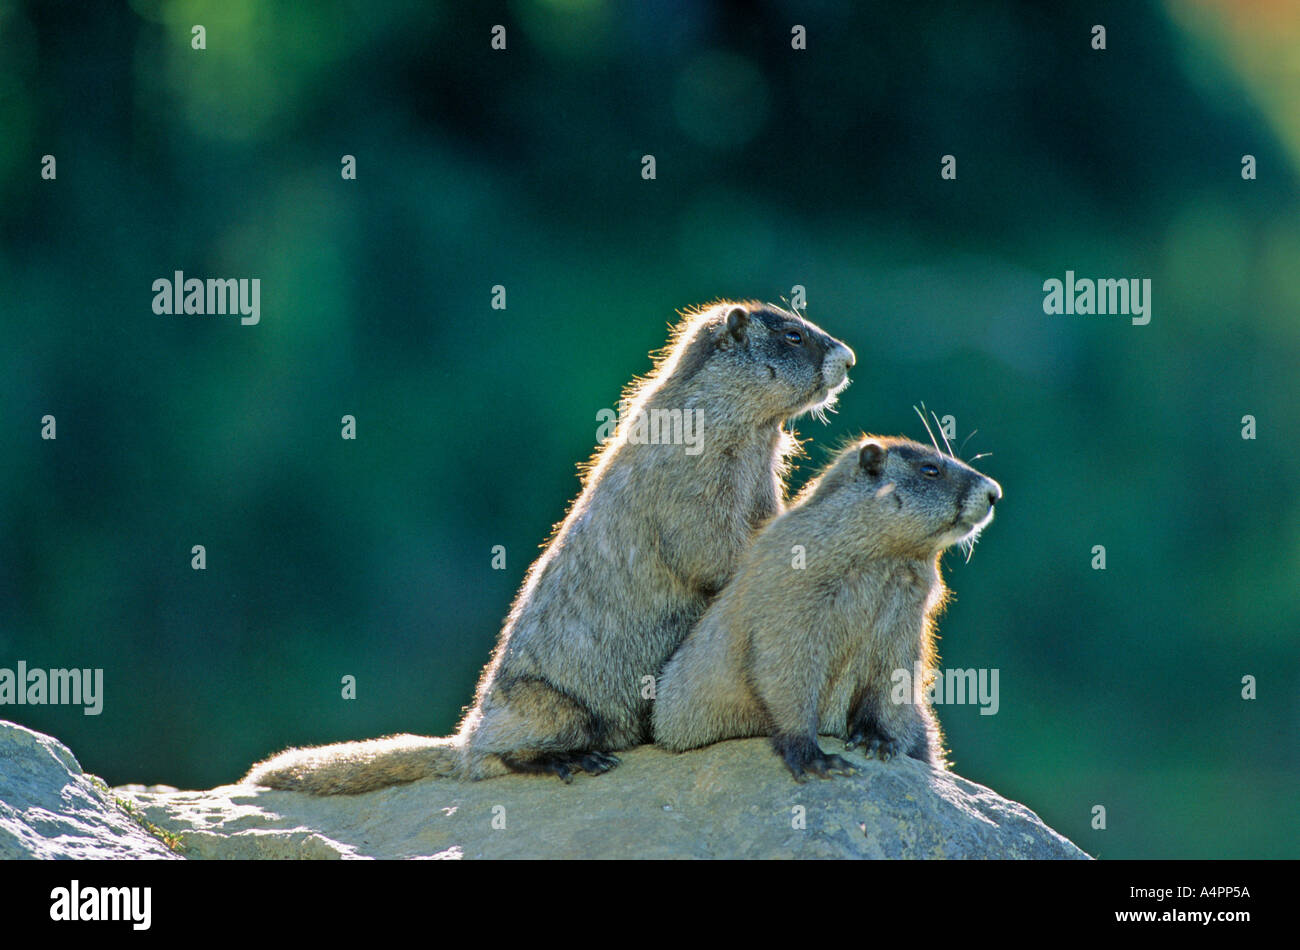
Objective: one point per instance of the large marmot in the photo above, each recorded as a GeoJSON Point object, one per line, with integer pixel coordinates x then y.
{"type": "Point", "coordinates": [654, 535]}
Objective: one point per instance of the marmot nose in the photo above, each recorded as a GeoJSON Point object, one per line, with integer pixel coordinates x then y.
{"type": "Point", "coordinates": [995, 493]}
{"type": "Point", "coordinates": [849, 358]}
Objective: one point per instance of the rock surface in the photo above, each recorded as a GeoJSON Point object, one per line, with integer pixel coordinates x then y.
{"type": "Point", "coordinates": [732, 800]}
{"type": "Point", "coordinates": [49, 808]}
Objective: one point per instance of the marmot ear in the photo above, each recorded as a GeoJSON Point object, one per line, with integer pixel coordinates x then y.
{"type": "Point", "coordinates": [737, 321]}
{"type": "Point", "coordinates": [872, 457]}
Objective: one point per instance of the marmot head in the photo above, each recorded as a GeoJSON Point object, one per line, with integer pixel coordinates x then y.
{"type": "Point", "coordinates": [904, 498]}
{"type": "Point", "coordinates": [767, 363]}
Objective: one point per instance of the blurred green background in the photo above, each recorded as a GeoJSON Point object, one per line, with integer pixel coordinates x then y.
{"type": "Point", "coordinates": [775, 168]}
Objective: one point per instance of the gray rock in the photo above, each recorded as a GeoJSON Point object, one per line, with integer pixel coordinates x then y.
{"type": "Point", "coordinates": [731, 800]}
{"type": "Point", "coordinates": [49, 808]}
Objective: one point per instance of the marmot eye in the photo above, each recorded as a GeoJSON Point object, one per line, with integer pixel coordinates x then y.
{"type": "Point", "coordinates": [792, 337]}
{"type": "Point", "coordinates": [930, 470]}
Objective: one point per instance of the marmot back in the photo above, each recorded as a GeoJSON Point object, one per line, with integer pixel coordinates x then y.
{"type": "Point", "coordinates": [693, 470]}
{"type": "Point", "coordinates": [792, 651]}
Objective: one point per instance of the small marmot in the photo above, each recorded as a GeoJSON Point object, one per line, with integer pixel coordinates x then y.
{"type": "Point", "coordinates": [693, 470]}
{"type": "Point", "coordinates": [792, 650]}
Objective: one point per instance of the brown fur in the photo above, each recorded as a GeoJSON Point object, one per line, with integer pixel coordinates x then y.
{"type": "Point", "coordinates": [793, 652]}
{"type": "Point", "coordinates": [655, 533]}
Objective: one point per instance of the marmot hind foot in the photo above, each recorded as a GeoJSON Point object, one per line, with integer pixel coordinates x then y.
{"type": "Point", "coordinates": [562, 764]}
{"type": "Point", "coordinates": [803, 756]}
